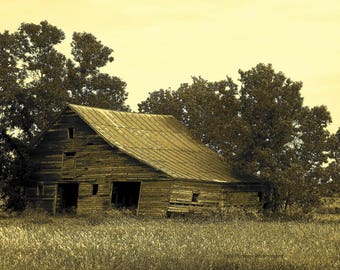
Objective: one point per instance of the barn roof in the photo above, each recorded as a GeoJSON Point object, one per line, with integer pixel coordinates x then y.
{"type": "Point", "coordinates": [159, 141]}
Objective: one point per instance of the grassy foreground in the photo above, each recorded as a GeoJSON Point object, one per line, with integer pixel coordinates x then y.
{"type": "Point", "coordinates": [121, 242]}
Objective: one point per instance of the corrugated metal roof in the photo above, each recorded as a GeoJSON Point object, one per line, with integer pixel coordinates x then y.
{"type": "Point", "coordinates": [157, 140]}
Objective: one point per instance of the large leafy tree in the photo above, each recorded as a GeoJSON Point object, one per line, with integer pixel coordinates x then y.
{"type": "Point", "coordinates": [37, 81]}
{"type": "Point", "coordinates": [87, 84]}
{"type": "Point", "coordinates": [202, 106]}
{"type": "Point", "coordinates": [269, 105]}
{"type": "Point", "coordinates": [315, 142]}
{"type": "Point", "coordinates": [261, 127]}
{"type": "Point", "coordinates": [333, 169]}
{"type": "Point", "coordinates": [286, 141]}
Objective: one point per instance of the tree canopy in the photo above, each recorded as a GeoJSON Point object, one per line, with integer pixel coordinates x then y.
{"type": "Point", "coordinates": [333, 168]}
{"type": "Point", "coordinates": [260, 126]}
{"type": "Point", "coordinates": [37, 81]}
{"type": "Point", "coordinates": [201, 106]}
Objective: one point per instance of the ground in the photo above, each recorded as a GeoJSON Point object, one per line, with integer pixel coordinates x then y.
{"type": "Point", "coordinates": [116, 241]}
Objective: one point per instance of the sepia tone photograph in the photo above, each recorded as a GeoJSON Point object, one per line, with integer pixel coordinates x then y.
{"type": "Point", "coordinates": [169, 134]}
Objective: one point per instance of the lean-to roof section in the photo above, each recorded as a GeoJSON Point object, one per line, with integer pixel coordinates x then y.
{"type": "Point", "coordinates": [157, 140]}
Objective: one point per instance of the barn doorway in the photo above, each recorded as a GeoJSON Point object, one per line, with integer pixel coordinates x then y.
{"type": "Point", "coordinates": [67, 197]}
{"type": "Point", "coordinates": [125, 194]}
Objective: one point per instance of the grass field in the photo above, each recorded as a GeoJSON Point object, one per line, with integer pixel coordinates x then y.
{"type": "Point", "coordinates": [123, 242]}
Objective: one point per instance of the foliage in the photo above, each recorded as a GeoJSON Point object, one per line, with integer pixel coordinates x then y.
{"type": "Point", "coordinates": [202, 107]}
{"type": "Point", "coordinates": [14, 170]}
{"type": "Point", "coordinates": [89, 86]}
{"type": "Point", "coordinates": [261, 127]}
{"type": "Point", "coordinates": [37, 80]}
{"type": "Point", "coordinates": [36, 83]}
{"type": "Point", "coordinates": [130, 243]}
{"type": "Point", "coordinates": [333, 168]}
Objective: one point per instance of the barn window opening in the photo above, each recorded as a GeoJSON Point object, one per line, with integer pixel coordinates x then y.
{"type": "Point", "coordinates": [70, 133]}
{"type": "Point", "coordinates": [70, 154]}
{"type": "Point", "coordinates": [125, 194]}
{"type": "Point", "coordinates": [94, 189]}
{"type": "Point", "coordinates": [260, 196]}
{"type": "Point", "coordinates": [40, 190]}
{"type": "Point", "coordinates": [194, 197]}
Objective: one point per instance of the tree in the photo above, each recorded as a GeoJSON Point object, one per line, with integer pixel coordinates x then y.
{"type": "Point", "coordinates": [37, 81]}
{"type": "Point", "coordinates": [88, 85]}
{"type": "Point", "coordinates": [15, 169]}
{"type": "Point", "coordinates": [333, 168]}
{"type": "Point", "coordinates": [162, 102]}
{"type": "Point", "coordinates": [269, 105]}
{"type": "Point", "coordinates": [287, 142]}
{"type": "Point", "coordinates": [313, 142]}
{"type": "Point", "coordinates": [202, 107]}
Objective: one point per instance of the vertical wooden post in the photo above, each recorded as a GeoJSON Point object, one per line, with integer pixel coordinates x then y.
{"type": "Point", "coordinates": [139, 195]}
{"type": "Point", "coordinates": [55, 199]}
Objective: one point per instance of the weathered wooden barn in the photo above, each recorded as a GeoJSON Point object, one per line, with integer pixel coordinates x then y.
{"type": "Point", "coordinates": [92, 159]}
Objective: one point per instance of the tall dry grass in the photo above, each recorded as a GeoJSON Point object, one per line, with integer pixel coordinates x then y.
{"type": "Point", "coordinates": [125, 242]}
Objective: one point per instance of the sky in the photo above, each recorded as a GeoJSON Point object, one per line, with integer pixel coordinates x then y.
{"type": "Point", "coordinates": [161, 44]}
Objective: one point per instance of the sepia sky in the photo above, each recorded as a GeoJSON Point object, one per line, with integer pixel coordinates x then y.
{"type": "Point", "coordinates": [160, 44]}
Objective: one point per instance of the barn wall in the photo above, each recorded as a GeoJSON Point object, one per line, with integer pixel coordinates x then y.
{"type": "Point", "coordinates": [181, 199]}
{"type": "Point", "coordinates": [201, 198]}
{"type": "Point", "coordinates": [243, 194]}
{"type": "Point", "coordinates": [42, 199]}
{"type": "Point", "coordinates": [87, 159]}
{"type": "Point", "coordinates": [154, 198]}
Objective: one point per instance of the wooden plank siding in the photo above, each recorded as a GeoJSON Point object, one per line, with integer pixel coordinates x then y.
{"type": "Point", "coordinates": [211, 195]}
{"type": "Point", "coordinates": [154, 198]}
{"type": "Point", "coordinates": [94, 162]}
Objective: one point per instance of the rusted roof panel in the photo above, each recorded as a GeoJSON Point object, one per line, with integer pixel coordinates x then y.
{"type": "Point", "coordinates": [157, 140]}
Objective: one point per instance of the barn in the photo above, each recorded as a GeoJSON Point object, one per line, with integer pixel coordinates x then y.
{"type": "Point", "coordinates": [92, 159]}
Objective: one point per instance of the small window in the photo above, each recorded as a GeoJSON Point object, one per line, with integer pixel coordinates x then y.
{"type": "Point", "coordinates": [40, 190]}
{"type": "Point", "coordinates": [70, 133]}
{"type": "Point", "coordinates": [69, 154]}
{"type": "Point", "coordinates": [194, 197]}
{"type": "Point", "coordinates": [94, 189]}
{"type": "Point", "coordinates": [260, 196]}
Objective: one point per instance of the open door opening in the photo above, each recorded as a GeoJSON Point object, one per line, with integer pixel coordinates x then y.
{"type": "Point", "coordinates": [67, 197]}
{"type": "Point", "coordinates": [125, 194]}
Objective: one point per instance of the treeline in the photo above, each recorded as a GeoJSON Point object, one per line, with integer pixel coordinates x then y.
{"type": "Point", "coordinates": [260, 126]}
{"type": "Point", "coordinates": [264, 131]}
